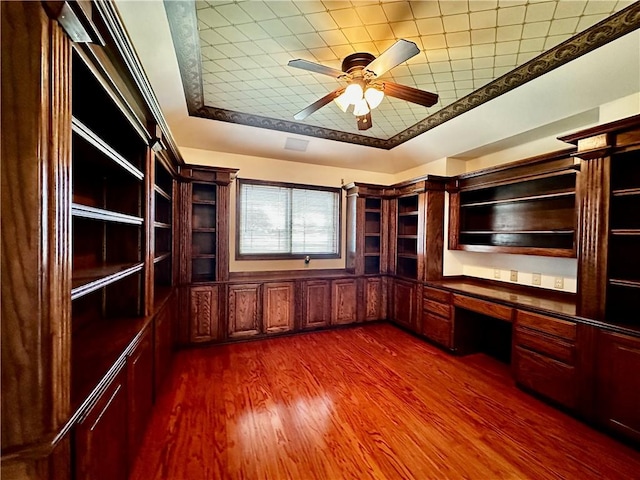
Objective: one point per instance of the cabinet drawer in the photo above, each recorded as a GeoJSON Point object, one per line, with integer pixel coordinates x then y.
{"type": "Point", "coordinates": [551, 346]}
{"type": "Point", "coordinates": [437, 295]}
{"type": "Point", "coordinates": [491, 309]}
{"type": "Point", "coordinates": [437, 329]}
{"type": "Point", "coordinates": [552, 326]}
{"type": "Point", "coordinates": [546, 376]}
{"type": "Point", "coordinates": [441, 309]}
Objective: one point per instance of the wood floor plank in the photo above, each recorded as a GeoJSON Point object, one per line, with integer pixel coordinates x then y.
{"type": "Point", "coordinates": [365, 402]}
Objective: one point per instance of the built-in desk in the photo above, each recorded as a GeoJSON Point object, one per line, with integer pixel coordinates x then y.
{"type": "Point", "coordinates": [515, 296]}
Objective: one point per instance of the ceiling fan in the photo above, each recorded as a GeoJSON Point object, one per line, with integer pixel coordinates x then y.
{"type": "Point", "coordinates": [364, 91]}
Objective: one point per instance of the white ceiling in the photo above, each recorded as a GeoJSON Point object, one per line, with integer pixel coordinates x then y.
{"type": "Point", "coordinates": [558, 99]}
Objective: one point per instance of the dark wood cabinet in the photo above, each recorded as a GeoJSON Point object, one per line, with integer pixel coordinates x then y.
{"type": "Point", "coordinates": [278, 307]}
{"type": "Point", "coordinates": [544, 357]}
{"type": "Point", "coordinates": [245, 315]}
{"type": "Point", "coordinates": [405, 304]}
{"type": "Point", "coordinates": [436, 316]}
{"type": "Point", "coordinates": [164, 340]}
{"type": "Point", "coordinates": [101, 435]}
{"type": "Point", "coordinates": [316, 301]}
{"type": "Point", "coordinates": [140, 388]}
{"type": "Point", "coordinates": [526, 207]}
{"type": "Point", "coordinates": [204, 319]}
{"type": "Point", "coordinates": [344, 301]}
{"type": "Point", "coordinates": [618, 384]}
{"type": "Point", "coordinates": [375, 298]}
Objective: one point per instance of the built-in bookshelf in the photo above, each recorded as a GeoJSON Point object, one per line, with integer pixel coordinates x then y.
{"type": "Point", "coordinates": [109, 152]}
{"type": "Point", "coordinates": [623, 289]}
{"type": "Point", "coordinates": [163, 225]}
{"type": "Point", "coordinates": [372, 235]}
{"type": "Point", "coordinates": [203, 232]}
{"type": "Point", "coordinates": [407, 237]}
{"type": "Point", "coordinates": [530, 210]}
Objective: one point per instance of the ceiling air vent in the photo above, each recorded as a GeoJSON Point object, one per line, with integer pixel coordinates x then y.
{"type": "Point", "coordinates": [296, 144]}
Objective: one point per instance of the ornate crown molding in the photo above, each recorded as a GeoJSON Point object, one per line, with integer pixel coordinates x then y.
{"type": "Point", "coordinates": [184, 31]}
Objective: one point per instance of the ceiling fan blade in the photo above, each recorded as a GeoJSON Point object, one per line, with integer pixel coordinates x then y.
{"type": "Point", "coordinates": [318, 104]}
{"type": "Point", "coordinates": [316, 68]}
{"type": "Point", "coordinates": [410, 94]}
{"type": "Point", "coordinates": [399, 52]}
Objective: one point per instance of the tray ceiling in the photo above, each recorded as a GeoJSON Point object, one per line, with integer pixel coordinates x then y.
{"type": "Point", "coordinates": [233, 56]}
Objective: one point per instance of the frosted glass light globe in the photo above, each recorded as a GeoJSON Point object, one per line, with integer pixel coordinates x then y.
{"type": "Point", "coordinates": [353, 93]}
{"type": "Point", "coordinates": [373, 96]}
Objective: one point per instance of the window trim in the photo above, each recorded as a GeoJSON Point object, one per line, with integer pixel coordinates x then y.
{"type": "Point", "coordinates": [286, 256]}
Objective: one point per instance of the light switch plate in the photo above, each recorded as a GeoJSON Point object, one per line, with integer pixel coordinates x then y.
{"type": "Point", "coordinates": [514, 276]}
{"type": "Point", "coordinates": [536, 279]}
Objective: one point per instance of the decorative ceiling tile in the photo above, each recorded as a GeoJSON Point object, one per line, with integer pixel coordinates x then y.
{"type": "Point", "coordinates": [233, 56]}
{"type": "Point", "coordinates": [371, 14]}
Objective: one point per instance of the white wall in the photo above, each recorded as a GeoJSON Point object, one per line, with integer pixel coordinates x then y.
{"type": "Point", "coordinates": [259, 168]}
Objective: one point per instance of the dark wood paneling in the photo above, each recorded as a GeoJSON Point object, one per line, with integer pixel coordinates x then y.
{"type": "Point", "coordinates": [164, 328]}
{"type": "Point", "coordinates": [434, 235]}
{"type": "Point", "coordinates": [204, 314]}
{"type": "Point", "coordinates": [618, 383]}
{"type": "Point", "coordinates": [316, 303]}
{"type": "Point", "coordinates": [593, 218]}
{"type": "Point", "coordinates": [35, 270]}
{"type": "Point", "coordinates": [244, 310]}
{"type": "Point", "coordinates": [101, 436]}
{"type": "Point", "coordinates": [140, 386]}
{"type": "Point", "coordinates": [344, 301]}
{"type": "Point", "coordinates": [278, 307]}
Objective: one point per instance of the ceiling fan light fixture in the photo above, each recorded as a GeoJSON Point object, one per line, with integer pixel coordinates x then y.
{"type": "Point", "coordinates": [353, 93]}
{"type": "Point", "coordinates": [361, 108]}
{"type": "Point", "coordinates": [342, 102]}
{"type": "Point", "coordinates": [373, 96]}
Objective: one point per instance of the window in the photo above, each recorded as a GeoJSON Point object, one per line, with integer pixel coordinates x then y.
{"type": "Point", "coordinates": [282, 220]}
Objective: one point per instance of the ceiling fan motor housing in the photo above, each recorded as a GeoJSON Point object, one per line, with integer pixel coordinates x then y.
{"type": "Point", "coordinates": [356, 62]}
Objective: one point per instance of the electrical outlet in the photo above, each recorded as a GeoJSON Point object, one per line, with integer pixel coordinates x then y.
{"type": "Point", "coordinates": [496, 273]}
{"type": "Point", "coordinates": [559, 282]}
{"type": "Point", "coordinates": [514, 276]}
{"type": "Point", "coordinates": [536, 279]}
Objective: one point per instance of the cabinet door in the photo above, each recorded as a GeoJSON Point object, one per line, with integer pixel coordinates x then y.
{"type": "Point", "coordinates": [164, 340]}
{"type": "Point", "coordinates": [618, 383]}
{"type": "Point", "coordinates": [316, 303]}
{"type": "Point", "coordinates": [204, 314]}
{"type": "Point", "coordinates": [279, 307]}
{"type": "Point", "coordinates": [101, 436]}
{"type": "Point", "coordinates": [404, 304]}
{"type": "Point", "coordinates": [244, 310]}
{"type": "Point", "coordinates": [139, 392]}
{"type": "Point", "coordinates": [345, 300]}
{"type": "Point", "coordinates": [373, 299]}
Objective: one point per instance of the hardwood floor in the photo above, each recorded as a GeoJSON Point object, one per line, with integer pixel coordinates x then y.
{"type": "Point", "coordinates": [367, 402]}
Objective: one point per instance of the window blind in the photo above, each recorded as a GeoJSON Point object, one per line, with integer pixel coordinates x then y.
{"type": "Point", "coordinates": [282, 220]}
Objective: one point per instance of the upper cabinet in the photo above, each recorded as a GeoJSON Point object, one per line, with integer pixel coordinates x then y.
{"type": "Point", "coordinates": [526, 207]}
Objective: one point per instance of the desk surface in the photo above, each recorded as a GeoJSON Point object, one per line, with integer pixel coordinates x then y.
{"type": "Point", "coordinates": [558, 303]}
